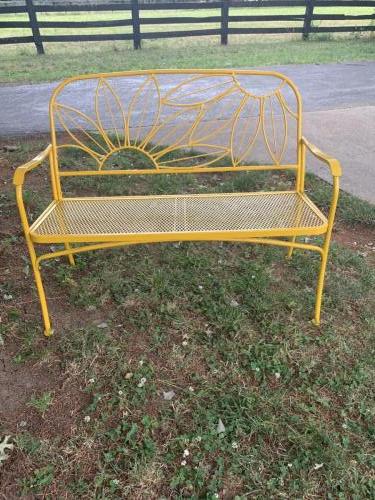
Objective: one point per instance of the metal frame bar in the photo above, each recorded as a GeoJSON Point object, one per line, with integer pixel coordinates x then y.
{"type": "Point", "coordinates": [36, 261]}
{"type": "Point", "coordinates": [336, 172]}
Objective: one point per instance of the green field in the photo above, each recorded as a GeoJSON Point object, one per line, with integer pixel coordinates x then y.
{"type": "Point", "coordinates": [224, 326]}
{"type": "Point", "coordinates": [20, 64]}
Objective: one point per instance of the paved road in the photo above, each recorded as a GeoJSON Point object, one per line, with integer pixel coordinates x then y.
{"type": "Point", "coordinates": [339, 115]}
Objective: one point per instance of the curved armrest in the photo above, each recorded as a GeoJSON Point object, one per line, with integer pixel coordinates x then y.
{"type": "Point", "coordinates": [19, 174]}
{"type": "Point", "coordinates": [334, 165]}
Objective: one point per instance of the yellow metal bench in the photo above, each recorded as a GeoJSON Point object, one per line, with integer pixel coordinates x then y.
{"type": "Point", "coordinates": [190, 121]}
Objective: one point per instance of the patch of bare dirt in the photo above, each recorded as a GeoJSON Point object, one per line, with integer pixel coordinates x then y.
{"type": "Point", "coordinates": [18, 382]}
{"type": "Point", "coordinates": [358, 238]}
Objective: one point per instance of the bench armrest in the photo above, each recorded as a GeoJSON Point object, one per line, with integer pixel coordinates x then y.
{"type": "Point", "coordinates": [333, 164]}
{"type": "Point", "coordinates": [19, 174]}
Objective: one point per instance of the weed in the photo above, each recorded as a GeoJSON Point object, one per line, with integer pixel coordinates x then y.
{"type": "Point", "coordinates": [41, 403]}
{"type": "Point", "coordinates": [39, 480]}
{"type": "Point", "coordinates": [28, 443]}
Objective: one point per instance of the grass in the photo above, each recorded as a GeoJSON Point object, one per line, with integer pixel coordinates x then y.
{"type": "Point", "coordinates": [223, 326]}
{"type": "Point", "coordinates": [20, 64]}
{"type": "Point", "coordinates": [41, 403]}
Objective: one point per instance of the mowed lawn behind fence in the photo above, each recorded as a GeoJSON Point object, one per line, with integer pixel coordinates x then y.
{"type": "Point", "coordinates": [62, 59]}
{"type": "Point", "coordinates": [39, 23]}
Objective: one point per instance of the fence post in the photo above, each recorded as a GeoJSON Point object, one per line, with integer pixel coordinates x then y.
{"type": "Point", "coordinates": [308, 18]}
{"type": "Point", "coordinates": [136, 24]}
{"type": "Point", "coordinates": [34, 26]}
{"type": "Point", "coordinates": [224, 21]}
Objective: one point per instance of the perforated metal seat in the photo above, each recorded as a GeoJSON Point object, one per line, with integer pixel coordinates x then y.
{"type": "Point", "coordinates": [163, 218]}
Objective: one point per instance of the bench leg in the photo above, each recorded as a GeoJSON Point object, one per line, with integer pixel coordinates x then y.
{"type": "Point", "coordinates": [320, 285]}
{"type": "Point", "coordinates": [290, 249]}
{"type": "Point", "coordinates": [48, 331]}
{"type": "Point", "coordinates": [71, 259]}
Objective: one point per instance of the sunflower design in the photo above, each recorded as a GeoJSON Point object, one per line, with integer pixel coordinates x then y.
{"type": "Point", "coordinates": [201, 121]}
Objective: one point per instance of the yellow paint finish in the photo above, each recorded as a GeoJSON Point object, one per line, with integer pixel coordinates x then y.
{"type": "Point", "coordinates": [270, 218]}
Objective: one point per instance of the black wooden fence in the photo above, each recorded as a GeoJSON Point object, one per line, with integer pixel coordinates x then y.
{"type": "Point", "coordinates": [225, 8]}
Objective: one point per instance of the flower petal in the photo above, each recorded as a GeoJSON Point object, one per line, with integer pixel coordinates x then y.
{"type": "Point", "coordinates": [110, 114]}
{"type": "Point", "coordinates": [274, 127]}
{"type": "Point", "coordinates": [245, 129]}
{"type": "Point", "coordinates": [199, 89]}
{"type": "Point", "coordinates": [143, 113]}
{"type": "Point", "coordinates": [216, 120]}
{"type": "Point", "coordinates": [82, 129]}
{"type": "Point", "coordinates": [173, 128]}
{"type": "Point", "coordinates": [203, 155]}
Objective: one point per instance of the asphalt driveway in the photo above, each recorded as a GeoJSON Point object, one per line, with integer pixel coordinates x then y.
{"type": "Point", "coordinates": [339, 116]}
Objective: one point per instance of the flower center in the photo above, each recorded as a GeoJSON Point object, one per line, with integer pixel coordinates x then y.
{"type": "Point", "coordinates": [128, 158]}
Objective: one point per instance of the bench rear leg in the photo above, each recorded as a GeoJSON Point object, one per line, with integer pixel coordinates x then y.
{"type": "Point", "coordinates": [71, 259]}
{"type": "Point", "coordinates": [290, 249]}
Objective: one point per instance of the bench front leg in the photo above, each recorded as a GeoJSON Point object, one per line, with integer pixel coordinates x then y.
{"type": "Point", "coordinates": [324, 256]}
{"type": "Point", "coordinates": [335, 169]}
{"type": "Point", "coordinates": [34, 262]}
{"type": "Point", "coordinates": [18, 181]}
{"type": "Point", "coordinates": [19, 178]}
{"type": "Point", "coordinates": [48, 330]}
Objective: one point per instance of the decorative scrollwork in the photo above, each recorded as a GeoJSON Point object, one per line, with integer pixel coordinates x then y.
{"type": "Point", "coordinates": [203, 119]}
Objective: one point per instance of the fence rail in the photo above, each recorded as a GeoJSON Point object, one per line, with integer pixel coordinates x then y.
{"type": "Point", "coordinates": [224, 19]}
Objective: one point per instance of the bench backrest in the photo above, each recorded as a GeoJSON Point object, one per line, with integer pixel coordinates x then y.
{"type": "Point", "coordinates": [178, 120]}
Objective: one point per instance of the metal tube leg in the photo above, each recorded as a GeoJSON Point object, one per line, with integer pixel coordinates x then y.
{"type": "Point", "coordinates": [290, 249]}
{"type": "Point", "coordinates": [320, 285]}
{"type": "Point", "coordinates": [42, 298]}
{"type": "Point", "coordinates": [331, 216]}
{"type": "Point", "coordinates": [71, 259]}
